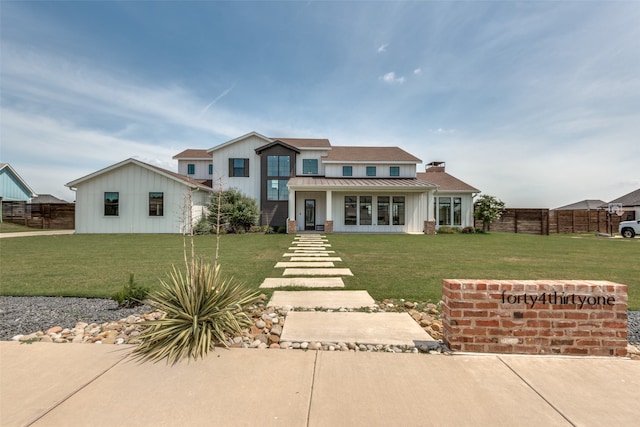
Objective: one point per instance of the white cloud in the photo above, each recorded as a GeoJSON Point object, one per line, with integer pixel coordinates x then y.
{"type": "Point", "coordinates": [391, 78]}
{"type": "Point", "coordinates": [417, 71]}
{"type": "Point", "coordinates": [383, 48]}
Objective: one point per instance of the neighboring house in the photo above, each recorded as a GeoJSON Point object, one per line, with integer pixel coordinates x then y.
{"type": "Point", "coordinates": [47, 198]}
{"type": "Point", "coordinates": [135, 197]}
{"type": "Point", "coordinates": [584, 205]}
{"type": "Point", "coordinates": [630, 205]}
{"type": "Point", "coordinates": [308, 184]}
{"type": "Point", "coordinates": [453, 200]}
{"type": "Point", "coordinates": [12, 187]}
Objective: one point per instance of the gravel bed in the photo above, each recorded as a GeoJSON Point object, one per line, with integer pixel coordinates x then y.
{"type": "Point", "coordinates": [24, 315]}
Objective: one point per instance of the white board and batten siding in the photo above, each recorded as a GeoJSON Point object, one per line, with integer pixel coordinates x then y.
{"type": "Point", "coordinates": [133, 183]}
{"type": "Point", "coordinates": [244, 149]}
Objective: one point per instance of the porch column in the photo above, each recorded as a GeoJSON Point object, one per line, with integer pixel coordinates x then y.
{"type": "Point", "coordinates": [292, 224]}
{"type": "Point", "coordinates": [329, 212]}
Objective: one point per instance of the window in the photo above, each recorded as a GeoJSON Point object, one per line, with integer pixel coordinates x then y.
{"type": "Point", "coordinates": [365, 210]}
{"type": "Point", "coordinates": [394, 171]}
{"type": "Point", "coordinates": [398, 210]}
{"type": "Point", "coordinates": [350, 210]}
{"type": "Point", "coordinates": [278, 166]}
{"type": "Point", "coordinates": [383, 210]}
{"type": "Point", "coordinates": [111, 203]}
{"type": "Point", "coordinates": [347, 171]}
{"type": "Point", "coordinates": [371, 171]}
{"type": "Point", "coordinates": [238, 167]}
{"type": "Point", "coordinates": [156, 204]}
{"type": "Point", "coordinates": [310, 166]}
{"type": "Point", "coordinates": [191, 169]}
{"type": "Point", "coordinates": [457, 211]}
{"type": "Point", "coordinates": [210, 169]}
{"type": "Point", "coordinates": [444, 210]}
{"type": "Point", "coordinates": [277, 189]}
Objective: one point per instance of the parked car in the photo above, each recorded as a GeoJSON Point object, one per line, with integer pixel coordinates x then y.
{"type": "Point", "coordinates": [629, 228]}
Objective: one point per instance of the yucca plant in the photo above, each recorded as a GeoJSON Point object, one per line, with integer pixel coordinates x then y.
{"type": "Point", "coordinates": [201, 309]}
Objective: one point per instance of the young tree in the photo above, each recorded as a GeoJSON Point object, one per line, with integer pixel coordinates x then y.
{"type": "Point", "coordinates": [233, 210]}
{"type": "Point", "coordinates": [487, 209]}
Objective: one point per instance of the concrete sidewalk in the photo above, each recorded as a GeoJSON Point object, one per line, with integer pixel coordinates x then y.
{"type": "Point", "coordinates": [36, 233]}
{"type": "Point", "coordinates": [98, 385]}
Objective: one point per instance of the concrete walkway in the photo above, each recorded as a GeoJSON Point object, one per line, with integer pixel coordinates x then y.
{"type": "Point", "coordinates": [36, 233]}
{"type": "Point", "coordinates": [45, 384]}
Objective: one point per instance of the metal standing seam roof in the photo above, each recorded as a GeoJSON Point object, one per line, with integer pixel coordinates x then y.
{"type": "Point", "coordinates": [409, 184]}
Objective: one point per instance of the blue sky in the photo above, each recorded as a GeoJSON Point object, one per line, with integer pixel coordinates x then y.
{"type": "Point", "coordinates": [536, 102]}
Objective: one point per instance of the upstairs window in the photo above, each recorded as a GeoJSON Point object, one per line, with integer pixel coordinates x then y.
{"type": "Point", "coordinates": [156, 204]}
{"type": "Point", "coordinates": [278, 166]}
{"type": "Point", "coordinates": [111, 203]}
{"type": "Point", "coordinates": [210, 169]}
{"type": "Point", "coordinates": [238, 167]}
{"type": "Point", "coordinates": [191, 169]}
{"type": "Point", "coordinates": [347, 171]}
{"type": "Point", "coordinates": [394, 171]}
{"type": "Point", "coordinates": [310, 166]}
{"type": "Point", "coordinates": [371, 171]}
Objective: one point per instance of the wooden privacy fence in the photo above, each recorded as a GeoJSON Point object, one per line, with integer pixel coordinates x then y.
{"type": "Point", "coordinates": [545, 221]}
{"type": "Point", "coordinates": [40, 215]}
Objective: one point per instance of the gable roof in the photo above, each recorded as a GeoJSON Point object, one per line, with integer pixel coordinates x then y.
{"type": "Point", "coordinates": [305, 142]}
{"type": "Point", "coordinates": [446, 182]}
{"type": "Point", "coordinates": [164, 172]}
{"type": "Point", "coordinates": [240, 138]}
{"type": "Point", "coordinates": [276, 142]}
{"type": "Point", "coordinates": [357, 154]}
{"type": "Point", "coordinates": [17, 178]}
{"type": "Point", "coordinates": [631, 199]}
{"type": "Point", "coordinates": [47, 198]}
{"type": "Point", "coordinates": [584, 205]}
{"type": "Point", "coordinates": [193, 154]}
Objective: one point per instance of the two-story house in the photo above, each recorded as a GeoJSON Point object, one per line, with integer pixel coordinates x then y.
{"type": "Point", "coordinates": [308, 184]}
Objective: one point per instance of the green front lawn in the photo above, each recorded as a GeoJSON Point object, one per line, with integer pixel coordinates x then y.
{"type": "Point", "coordinates": [388, 266]}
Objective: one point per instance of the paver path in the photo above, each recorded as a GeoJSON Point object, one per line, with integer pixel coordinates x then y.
{"type": "Point", "coordinates": [310, 257]}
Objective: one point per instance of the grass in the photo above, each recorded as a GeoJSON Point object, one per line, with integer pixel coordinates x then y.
{"type": "Point", "coordinates": [9, 227]}
{"type": "Point", "coordinates": [388, 266]}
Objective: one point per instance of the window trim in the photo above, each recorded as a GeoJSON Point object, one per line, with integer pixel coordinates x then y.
{"type": "Point", "coordinates": [111, 204]}
{"type": "Point", "coordinates": [233, 169]}
{"type": "Point", "coordinates": [157, 207]}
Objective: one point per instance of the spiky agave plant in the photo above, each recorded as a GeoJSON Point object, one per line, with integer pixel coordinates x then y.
{"type": "Point", "coordinates": [201, 309]}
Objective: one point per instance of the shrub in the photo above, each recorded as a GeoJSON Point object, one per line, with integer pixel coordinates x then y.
{"type": "Point", "coordinates": [468, 230]}
{"type": "Point", "coordinates": [237, 211]}
{"type": "Point", "coordinates": [202, 227]}
{"type": "Point", "coordinates": [201, 309]}
{"type": "Point", "coordinates": [282, 230]}
{"type": "Point", "coordinates": [448, 230]}
{"type": "Point", "coordinates": [131, 295]}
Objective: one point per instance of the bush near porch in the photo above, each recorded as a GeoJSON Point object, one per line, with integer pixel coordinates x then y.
{"type": "Point", "coordinates": [388, 266]}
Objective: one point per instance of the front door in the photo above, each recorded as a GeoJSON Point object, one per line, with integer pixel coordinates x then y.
{"type": "Point", "coordinates": [309, 214]}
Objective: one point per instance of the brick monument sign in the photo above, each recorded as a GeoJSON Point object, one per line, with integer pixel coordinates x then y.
{"type": "Point", "coordinates": [568, 317]}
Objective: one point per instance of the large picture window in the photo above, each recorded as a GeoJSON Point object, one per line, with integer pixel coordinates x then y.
{"type": "Point", "coordinates": [457, 211]}
{"type": "Point", "coordinates": [350, 210]}
{"type": "Point", "coordinates": [365, 210]}
{"type": "Point", "coordinates": [156, 204]}
{"type": "Point", "coordinates": [278, 166]}
{"type": "Point", "coordinates": [277, 189]}
{"type": "Point", "coordinates": [398, 210]}
{"type": "Point", "coordinates": [383, 210]}
{"type": "Point", "coordinates": [310, 166]}
{"type": "Point", "coordinates": [238, 167]}
{"type": "Point", "coordinates": [111, 203]}
{"type": "Point", "coordinates": [444, 210]}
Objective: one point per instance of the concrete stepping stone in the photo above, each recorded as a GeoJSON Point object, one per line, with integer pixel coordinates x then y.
{"type": "Point", "coordinates": [311, 245]}
{"type": "Point", "coordinates": [320, 263]}
{"type": "Point", "coordinates": [302, 282]}
{"type": "Point", "coordinates": [356, 327]}
{"type": "Point", "coordinates": [315, 258]}
{"type": "Point", "coordinates": [311, 250]}
{"type": "Point", "coordinates": [324, 299]}
{"type": "Point", "coordinates": [307, 254]}
{"type": "Point", "coordinates": [317, 272]}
